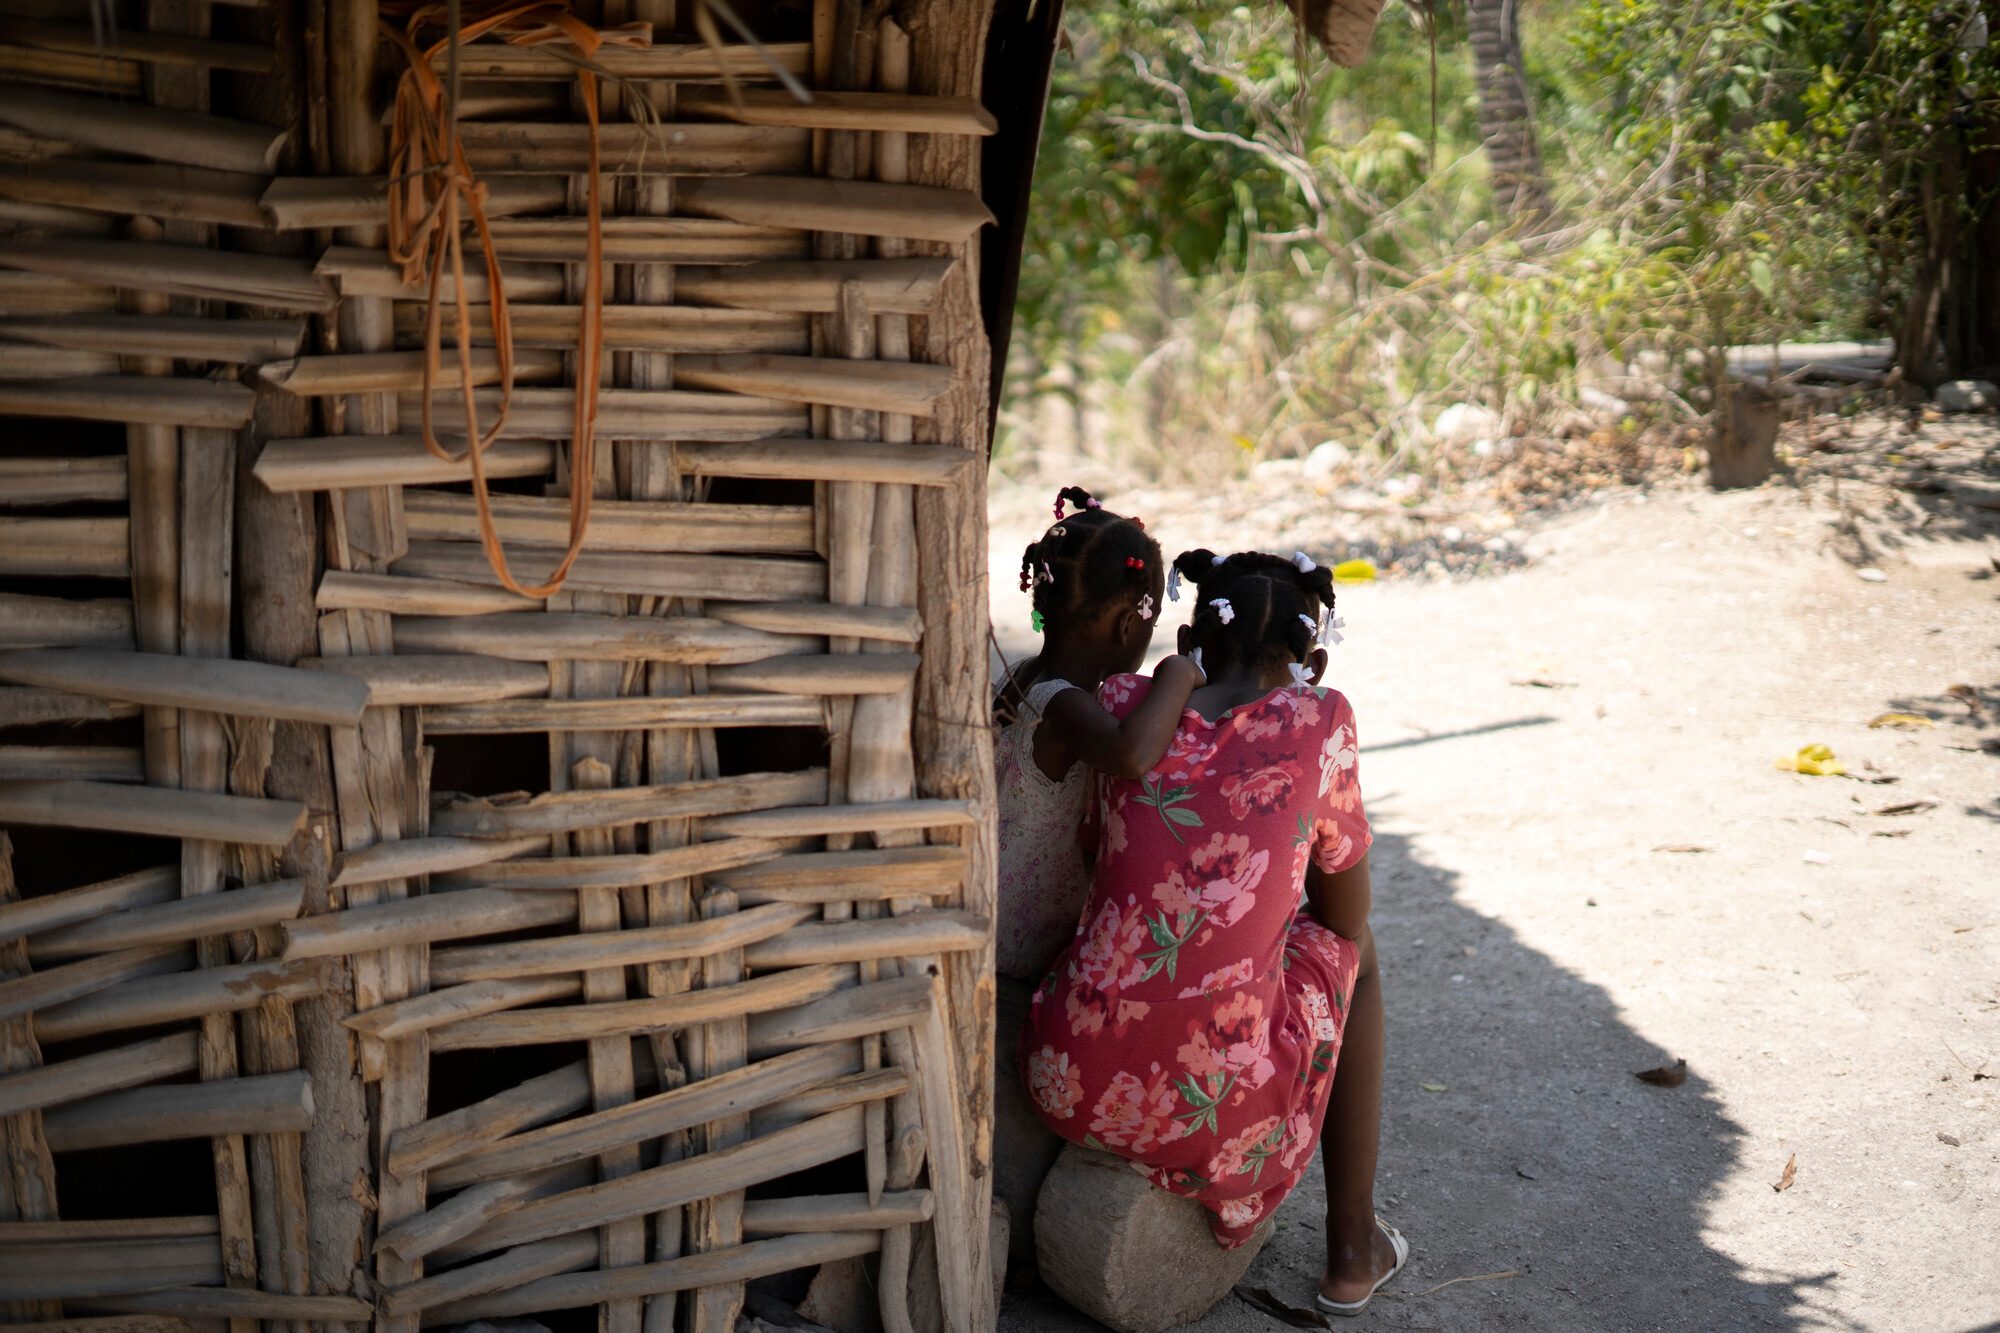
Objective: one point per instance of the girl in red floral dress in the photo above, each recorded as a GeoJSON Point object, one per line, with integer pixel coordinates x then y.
{"type": "Point", "coordinates": [1223, 972]}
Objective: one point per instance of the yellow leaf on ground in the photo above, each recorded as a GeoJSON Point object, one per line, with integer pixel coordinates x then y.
{"type": "Point", "coordinates": [1354, 571]}
{"type": "Point", "coordinates": [1907, 721]}
{"type": "Point", "coordinates": [1814, 761]}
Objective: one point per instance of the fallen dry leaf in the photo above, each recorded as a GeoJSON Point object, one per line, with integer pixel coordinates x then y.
{"type": "Point", "coordinates": [1891, 833]}
{"type": "Point", "coordinates": [1791, 1173]}
{"type": "Point", "coordinates": [1968, 696]}
{"type": "Point", "coordinates": [1682, 848]}
{"type": "Point", "coordinates": [1543, 683]}
{"type": "Point", "coordinates": [1814, 761]}
{"type": "Point", "coordinates": [1902, 721]}
{"type": "Point", "coordinates": [1435, 1087]}
{"type": "Point", "coordinates": [1948, 1140]}
{"type": "Point", "coordinates": [1261, 1300]}
{"type": "Point", "coordinates": [1905, 808]}
{"type": "Point", "coordinates": [1666, 1076]}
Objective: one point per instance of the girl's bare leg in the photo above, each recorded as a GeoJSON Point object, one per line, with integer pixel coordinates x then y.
{"type": "Point", "coordinates": [1357, 1253]}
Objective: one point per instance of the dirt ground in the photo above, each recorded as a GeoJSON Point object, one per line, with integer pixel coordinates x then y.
{"type": "Point", "coordinates": [1605, 873]}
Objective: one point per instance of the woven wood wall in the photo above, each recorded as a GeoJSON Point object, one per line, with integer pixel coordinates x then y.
{"type": "Point", "coordinates": [698, 900]}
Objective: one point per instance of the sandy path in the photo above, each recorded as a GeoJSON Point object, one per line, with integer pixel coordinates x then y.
{"type": "Point", "coordinates": [1835, 993]}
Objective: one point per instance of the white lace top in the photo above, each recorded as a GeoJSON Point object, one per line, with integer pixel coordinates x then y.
{"type": "Point", "coordinates": [1043, 878]}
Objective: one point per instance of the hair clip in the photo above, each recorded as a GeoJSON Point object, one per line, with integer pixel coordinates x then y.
{"type": "Point", "coordinates": [1026, 581]}
{"type": "Point", "coordinates": [1134, 562]}
{"type": "Point", "coordinates": [1035, 619]}
{"type": "Point", "coordinates": [1092, 504]}
{"type": "Point", "coordinates": [1217, 560]}
{"type": "Point", "coordinates": [1312, 626]}
{"type": "Point", "coordinates": [1303, 562]}
{"type": "Point", "coordinates": [1048, 575]}
{"type": "Point", "coordinates": [1224, 609]}
{"type": "Point", "coordinates": [1146, 607]}
{"type": "Point", "coordinates": [1173, 583]}
{"type": "Point", "coordinates": [1059, 509]}
{"type": "Point", "coordinates": [1057, 531]}
{"type": "Point", "coordinates": [1301, 676]}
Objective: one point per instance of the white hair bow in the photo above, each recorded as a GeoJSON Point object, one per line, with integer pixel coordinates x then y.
{"type": "Point", "coordinates": [1223, 609]}
{"type": "Point", "coordinates": [1304, 562]}
{"type": "Point", "coordinates": [1146, 607]}
{"type": "Point", "coordinates": [1301, 676]}
{"type": "Point", "coordinates": [1173, 583]}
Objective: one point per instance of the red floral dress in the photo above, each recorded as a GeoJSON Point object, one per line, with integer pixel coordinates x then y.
{"type": "Point", "coordinates": [1194, 1021]}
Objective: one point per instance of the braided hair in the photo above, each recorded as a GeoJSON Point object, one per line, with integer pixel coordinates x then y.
{"type": "Point", "coordinates": [1255, 610]}
{"type": "Point", "coordinates": [1079, 566]}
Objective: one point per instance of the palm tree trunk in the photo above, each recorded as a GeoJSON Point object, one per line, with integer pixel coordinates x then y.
{"type": "Point", "coordinates": [1506, 115]}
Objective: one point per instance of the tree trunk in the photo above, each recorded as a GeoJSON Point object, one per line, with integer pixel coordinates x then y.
{"type": "Point", "coordinates": [1506, 114]}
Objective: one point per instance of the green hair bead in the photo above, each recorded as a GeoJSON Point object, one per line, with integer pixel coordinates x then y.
{"type": "Point", "coordinates": [1036, 620]}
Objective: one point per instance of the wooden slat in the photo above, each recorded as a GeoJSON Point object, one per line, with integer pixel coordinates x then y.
{"type": "Point", "coordinates": [61, 622]}
{"type": "Point", "coordinates": [388, 372]}
{"type": "Point", "coordinates": [627, 414]}
{"type": "Point", "coordinates": [534, 636]}
{"type": "Point", "coordinates": [160, 133]}
{"type": "Point", "coordinates": [93, 763]}
{"type": "Point", "coordinates": [343, 590]}
{"type": "Point", "coordinates": [624, 948]}
{"type": "Point", "coordinates": [146, 47]}
{"type": "Point", "coordinates": [829, 673]}
{"type": "Point", "coordinates": [882, 624]}
{"type": "Point", "coordinates": [833, 110]}
{"type": "Point", "coordinates": [877, 874]}
{"type": "Point", "coordinates": [538, 147]}
{"type": "Point", "coordinates": [159, 811]}
{"type": "Point", "coordinates": [177, 270]}
{"type": "Point", "coordinates": [90, 73]}
{"type": "Point", "coordinates": [54, 481]}
{"type": "Point", "coordinates": [639, 328]}
{"type": "Point", "coordinates": [888, 286]}
{"type": "Point", "coordinates": [563, 812]}
{"type": "Point", "coordinates": [518, 716]}
{"type": "Point", "coordinates": [255, 689]}
{"type": "Point", "coordinates": [295, 203]}
{"type": "Point", "coordinates": [405, 681]}
{"type": "Point", "coordinates": [29, 707]}
{"type": "Point", "coordinates": [830, 460]}
{"type": "Point", "coordinates": [233, 341]}
{"type": "Point", "coordinates": [357, 271]}
{"type": "Point", "coordinates": [164, 402]}
{"type": "Point", "coordinates": [679, 61]}
{"type": "Point", "coordinates": [342, 461]}
{"type": "Point", "coordinates": [175, 921]}
{"type": "Point", "coordinates": [70, 547]}
{"type": "Point", "coordinates": [647, 240]}
{"type": "Point", "coordinates": [155, 189]}
{"type": "Point", "coordinates": [865, 208]}
{"type": "Point", "coordinates": [735, 578]}
{"type": "Point", "coordinates": [615, 525]}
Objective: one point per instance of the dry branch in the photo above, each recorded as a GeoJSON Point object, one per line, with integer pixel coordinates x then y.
{"type": "Point", "coordinates": [624, 948]}
{"type": "Point", "coordinates": [858, 1012]}
{"type": "Point", "coordinates": [261, 1104]}
{"type": "Point", "coordinates": [834, 673]}
{"type": "Point", "coordinates": [880, 386]}
{"type": "Point", "coordinates": [151, 1001]}
{"type": "Point", "coordinates": [54, 481]}
{"type": "Point", "coordinates": [177, 270]}
{"type": "Point", "coordinates": [104, 1071]}
{"type": "Point", "coordinates": [245, 688]}
{"type": "Point", "coordinates": [736, 579]}
{"type": "Point", "coordinates": [649, 712]}
{"type": "Point", "coordinates": [164, 402]}
{"type": "Point", "coordinates": [844, 111]}
{"type": "Point", "coordinates": [865, 208]}
{"type": "Point", "coordinates": [401, 921]}
{"type": "Point", "coordinates": [887, 286]}
{"type": "Point", "coordinates": [160, 811]}
{"type": "Point", "coordinates": [565, 812]}
{"type": "Point", "coordinates": [406, 681]}
{"type": "Point", "coordinates": [172, 922]}
{"type": "Point", "coordinates": [829, 460]}
{"type": "Point", "coordinates": [616, 525]}
{"type": "Point", "coordinates": [143, 131]}
{"type": "Point", "coordinates": [579, 637]}
{"type": "Point", "coordinates": [388, 460]}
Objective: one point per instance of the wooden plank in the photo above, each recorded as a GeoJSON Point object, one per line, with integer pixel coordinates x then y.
{"type": "Point", "coordinates": [630, 1018]}
{"type": "Point", "coordinates": [833, 110]}
{"type": "Point", "coordinates": [340, 462]}
{"type": "Point", "coordinates": [888, 286]}
{"type": "Point", "coordinates": [646, 240]}
{"type": "Point", "coordinates": [533, 636]}
{"type": "Point", "coordinates": [165, 402]}
{"type": "Point", "coordinates": [55, 481]}
{"type": "Point", "coordinates": [628, 414]}
{"type": "Point", "coordinates": [405, 681]}
{"type": "Point", "coordinates": [633, 328]}
{"type": "Point", "coordinates": [864, 208]}
{"type": "Point", "coordinates": [628, 948]}
{"type": "Point", "coordinates": [295, 203]}
{"type": "Point", "coordinates": [160, 811]}
{"type": "Point", "coordinates": [829, 460]}
{"type": "Point", "coordinates": [177, 270]}
{"type": "Point", "coordinates": [637, 574]}
{"type": "Point", "coordinates": [160, 133]}
{"type": "Point", "coordinates": [516, 716]}
{"type": "Point", "coordinates": [153, 189]}
{"type": "Point", "coordinates": [146, 47]}
{"type": "Point", "coordinates": [260, 1104]}
{"type": "Point", "coordinates": [254, 689]}
{"type": "Point", "coordinates": [881, 386]}
{"type": "Point", "coordinates": [680, 149]}
{"type": "Point", "coordinates": [105, 1071]}
{"type": "Point", "coordinates": [616, 525]}
{"type": "Point", "coordinates": [563, 812]}
{"type": "Point", "coordinates": [27, 1170]}
{"type": "Point", "coordinates": [739, 1090]}
{"type": "Point", "coordinates": [663, 61]}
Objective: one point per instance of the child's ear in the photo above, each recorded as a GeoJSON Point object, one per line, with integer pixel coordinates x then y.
{"type": "Point", "coordinates": [1317, 661]}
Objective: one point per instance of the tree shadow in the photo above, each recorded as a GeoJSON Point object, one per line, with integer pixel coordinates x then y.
{"type": "Point", "coordinates": [1517, 1149]}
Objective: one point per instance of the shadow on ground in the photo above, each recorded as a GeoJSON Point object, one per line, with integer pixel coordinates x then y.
{"type": "Point", "coordinates": [1515, 1141]}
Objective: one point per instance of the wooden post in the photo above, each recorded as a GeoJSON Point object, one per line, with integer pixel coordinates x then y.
{"type": "Point", "coordinates": [27, 1171]}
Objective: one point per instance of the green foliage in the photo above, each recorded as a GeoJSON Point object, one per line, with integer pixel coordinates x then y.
{"type": "Point", "coordinates": [1237, 249]}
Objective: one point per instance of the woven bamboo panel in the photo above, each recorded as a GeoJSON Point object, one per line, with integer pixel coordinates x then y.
{"type": "Point", "coordinates": [680, 923]}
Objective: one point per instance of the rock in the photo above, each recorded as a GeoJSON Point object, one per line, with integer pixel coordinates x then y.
{"type": "Point", "coordinates": [842, 1297]}
{"type": "Point", "coordinates": [1871, 576]}
{"type": "Point", "coordinates": [1967, 396]}
{"type": "Point", "coordinates": [1135, 1258]}
{"type": "Point", "coordinates": [1466, 421]}
{"type": "Point", "coordinates": [1327, 458]}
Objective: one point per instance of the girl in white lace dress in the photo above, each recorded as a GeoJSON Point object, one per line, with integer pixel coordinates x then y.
{"type": "Point", "coordinates": [1096, 579]}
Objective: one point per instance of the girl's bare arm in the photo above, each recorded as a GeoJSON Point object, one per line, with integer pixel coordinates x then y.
{"type": "Point", "coordinates": [1076, 727]}
{"type": "Point", "coordinates": [1341, 901]}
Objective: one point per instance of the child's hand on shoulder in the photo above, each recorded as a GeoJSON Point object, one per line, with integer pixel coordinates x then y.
{"type": "Point", "coordinates": [1180, 672]}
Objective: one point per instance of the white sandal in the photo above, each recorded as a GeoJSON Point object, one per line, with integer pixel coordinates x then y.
{"type": "Point", "coordinates": [1350, 1308]}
